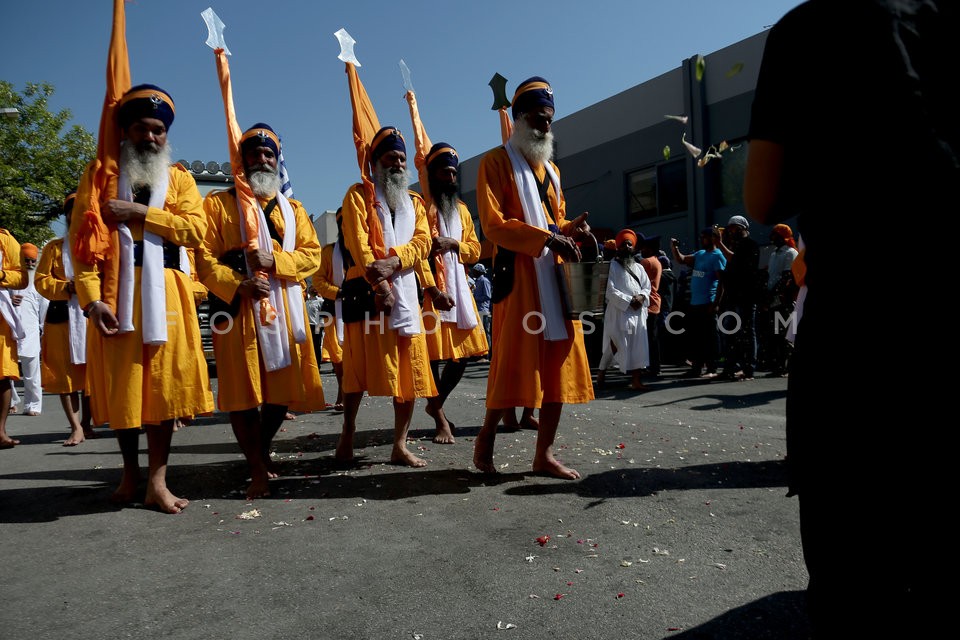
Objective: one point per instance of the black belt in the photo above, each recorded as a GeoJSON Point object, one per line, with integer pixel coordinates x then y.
{"type": "Point", "coordinates": [171, 255]}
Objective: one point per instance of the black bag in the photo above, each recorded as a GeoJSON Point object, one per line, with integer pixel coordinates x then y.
{"type": "Point", "coordinates": [58, 312]}
{"type": "Point", "coordinates": [328, 307]}
{"type": "Point", "coordinates": [501, 279]}
{"type": "Point", "coordinates": [357, 300]}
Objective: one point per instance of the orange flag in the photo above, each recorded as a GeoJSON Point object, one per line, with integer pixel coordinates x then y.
{"type": "Point", "coordinates": [423, 145]}
{"type": "Point", "coordinates": [506, 125]}
{"type": "Point", "coordinates": [365, 126]}
{"type": "Point", "coordinates": [94, 240]}
{"type": "Point", "coordinates": [249, 209]}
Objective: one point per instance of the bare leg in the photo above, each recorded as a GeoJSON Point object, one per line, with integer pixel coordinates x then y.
{"type": "Point", "coordinates": [338, 371]}
{"type": "Point", "coordinates": [158, 451]}
{"type": "Point", "coordinates": [129, 442]}
{"type": "Point", "coordinates": [351, 405]}
{"type": "Point", "coordinates": [6, 442]}
{"type": "Point", "coordinates": [544, 460]}
{"type": "Point", "coordinates": [271, 417]}
{"type": "Point", "coordinates": [246, 428]}
{"type": "Point", "coordinates": [446, 383]}
{"type": "Point", "coordinates": [527, 421]}
{"type": "Point", "coordinates": [402, 414]}
{"type": "Point", "coordinates": [85, 418]}
{"type": "Point", "coordinates": [483, 445]}
{"type": "Point", "coordinates": [635, 382]}
{"type": "Point", "coordinates": [69, 402]}
{"type": "Point", "coordinates": [510, 418]}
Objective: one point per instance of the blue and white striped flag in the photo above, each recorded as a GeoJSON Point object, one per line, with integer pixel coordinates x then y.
{"type": "Point", "coordinates": [285, 187]}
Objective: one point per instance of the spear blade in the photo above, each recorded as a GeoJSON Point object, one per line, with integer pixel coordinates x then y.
{"type": "Point", "coordinates": [346, 47]}
{"type": "Point", "coordinates": [405, 72]}
{"type": "Point", "coordinates": [499, 85]}
{"type": "Point", "coordinates": [215, 29]}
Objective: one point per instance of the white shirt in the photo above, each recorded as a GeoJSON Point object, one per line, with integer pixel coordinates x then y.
{"type": "Point", "coordinates": [32, 310]}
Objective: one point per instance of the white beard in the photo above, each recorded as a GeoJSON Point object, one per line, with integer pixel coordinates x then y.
{"type": "Point", "coordinates": [535, 146]}
{"type": "Point", "coordinates": [264, 184]}
{"type": "Point", "coordinates": [143, 168]}
{"type": "Point", "coordinates": [393, 185]}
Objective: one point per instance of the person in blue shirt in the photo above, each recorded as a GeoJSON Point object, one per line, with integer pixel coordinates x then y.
{"type": "Point", "coordinates": [481, 293]}
{"type": "Point", "coordinates": [706, 264]}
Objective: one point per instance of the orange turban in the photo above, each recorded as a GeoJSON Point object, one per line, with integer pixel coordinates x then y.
{"type": "Point", "coordinates": [623, 235]}
{"type": "Point", "coordinates": [785, 232]}
{"type": "Point", "coordinates": [29, 250]}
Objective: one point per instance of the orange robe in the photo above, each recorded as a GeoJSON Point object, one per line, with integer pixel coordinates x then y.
{"type": "Point", "coordinates": [445, 340]}
{"type": "Point", "coordinates": [376, 359]}
{"type": "Point", "coordinates": [58, 373]}
{"type": "Point", "coordinates": [525, 369]}
{"type": "Point", "coordinates": [323, 283]}
{"type": "Point", "coordinates": [13, 278]}
{"type": "Point", "coordinates": [242, 381]}
{"type": "Point", "coordinates": [130, 383]}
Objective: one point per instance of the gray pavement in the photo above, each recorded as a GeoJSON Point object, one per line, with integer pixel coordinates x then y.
{"type": "Point", "coordinates": [678, 529]}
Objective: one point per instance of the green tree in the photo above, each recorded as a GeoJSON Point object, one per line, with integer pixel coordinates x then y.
{"type": "Point", "coordinates": [39, 161]}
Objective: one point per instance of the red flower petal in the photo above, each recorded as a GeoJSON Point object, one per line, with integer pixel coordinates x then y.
{"type": "Point", "coordinates": [621, 594]}
{"type": "Point", "coordinates": [543, 540]}
{"type": "Point", "coordinates": [309, 518]}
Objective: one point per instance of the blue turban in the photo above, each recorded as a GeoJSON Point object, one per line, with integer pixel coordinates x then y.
{"type": "Point", "coordinates": [442, 155]}
{"type": "Point", "coordinates": [387, 139]}
{"type": "Point", "coordinates": [145, 101]}
{"type": "Point", "coordinates": [260, 135]}
{"type": "Point", "coordinates": [532, 93]}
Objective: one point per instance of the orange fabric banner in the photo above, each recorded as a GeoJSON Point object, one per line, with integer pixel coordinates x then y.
{"type": "Point", "coordinates": [95, 240]}
{"type": "Point", "coordinates": [249, 209]}
{"type": "Point", "coordinates": [506, 125]}
{"type": "Point", "coordinates": [423, 144]}
{"type": "Point", "coordinates": [365, 126]}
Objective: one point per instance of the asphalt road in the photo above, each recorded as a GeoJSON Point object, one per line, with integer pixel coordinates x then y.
{"type": "Point", "coordinates": [678, 529]}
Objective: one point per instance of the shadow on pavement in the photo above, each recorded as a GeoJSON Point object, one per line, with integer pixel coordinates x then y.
{"type": "Point", "coordinates": [778, 616]}
{"type": "Point", "coordinates": [628, 483]}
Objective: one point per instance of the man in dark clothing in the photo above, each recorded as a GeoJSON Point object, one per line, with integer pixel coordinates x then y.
{"type": "Point", "coordinates": [738, 305]}
{"type": "Point", "coordinates": [866, 483]}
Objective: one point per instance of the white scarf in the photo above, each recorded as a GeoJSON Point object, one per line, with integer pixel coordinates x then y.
{"type": "Point", "coordinates": [9, 312]}
{"type": "Point", "coordinates": [77, 327]}
{"type": "Point", "coordinates": [405, 315]}
{"type": "Point", "coordinates": [462, 312]}
{"type": "Point", "coordinates": [274, 340]}
{"type": "Point", "coordinates": [555, 325]}
{"type": "Point", "coordinates": [338, 280]}
{"type": "Point", "coordinates": [153, 291]}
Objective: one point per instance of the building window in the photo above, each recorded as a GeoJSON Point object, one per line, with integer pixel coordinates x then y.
{"type": "Point", "coordinates": [658, 191]}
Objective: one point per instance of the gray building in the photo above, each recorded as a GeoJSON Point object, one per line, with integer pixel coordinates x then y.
{"type": "Point", "coordinates": [613, 160]}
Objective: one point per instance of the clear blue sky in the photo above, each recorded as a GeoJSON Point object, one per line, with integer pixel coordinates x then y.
{"type": "Point", "coordinates": [285, 69]}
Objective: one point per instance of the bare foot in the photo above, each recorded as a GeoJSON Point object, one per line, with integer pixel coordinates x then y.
{"type": "Point", "coordinates": [259, 487]}
{"type": "Point", "coordinates": [290, 416]}
{"type": "Point", "coordinates": [162, 499]}
{"type": "Point", "coordinates": [483, 453]}
{"type": "Point", "coordinates": [552, 467]}
{"type": "Point", "coordinates": [89, 433]}
{"type": "Point", "coordinates": [401, 455]}
{"type": "Point", "coordinates": [530, 423]}
{"type": "Point", "coordinates": [344, 452]}
{"type": "Point", "coordinates": [639, 386]}
{"type": "Point", "coordinates": [75, 438]}
{"type": "Point", "coordinates": [444, 427]}
{"type": "Point", "coordinates": [127, 491]}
